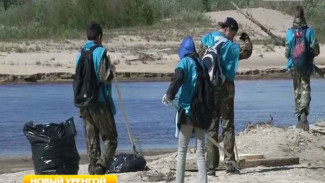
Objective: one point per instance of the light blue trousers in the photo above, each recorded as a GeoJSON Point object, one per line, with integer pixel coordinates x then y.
{"type": "Point", "coordinates": [183, 141]}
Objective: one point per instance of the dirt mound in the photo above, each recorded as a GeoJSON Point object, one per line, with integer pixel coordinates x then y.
{"type": "Point", "coordinates": [276, 142]}
{"type": "Point", "coordinates": [273, 142]}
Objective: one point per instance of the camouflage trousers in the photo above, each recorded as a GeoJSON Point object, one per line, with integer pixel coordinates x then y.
{"type": "Point", "coordinates": [224, 114]}
{"type": "Point", "coordinates": [301, 86]}
{"type": "Point", "coordinates": [99, 120]}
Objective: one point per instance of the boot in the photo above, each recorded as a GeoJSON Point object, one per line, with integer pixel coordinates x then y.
{"type": "Point", "coordinates": [231, 167]}
{"type": "Point", "coordinates": [99, 170]}
{"type": "Point", "coordinates": [303, 122]}
{"type": "Point", "coordinates": [211, 172]}
{"type": "Point", "coordinates": [91, 169]}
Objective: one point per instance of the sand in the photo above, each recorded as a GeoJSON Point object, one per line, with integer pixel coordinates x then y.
{"type": "Point", "coordinates": [152, 51]}
{"type": "Point", "coordinates": [272, 142]}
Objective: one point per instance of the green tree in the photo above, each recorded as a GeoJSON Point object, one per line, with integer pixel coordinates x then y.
{"type": "Point", "coordinates": [6, 3]}
{"type": "Point", "coordinates": [207, 5]}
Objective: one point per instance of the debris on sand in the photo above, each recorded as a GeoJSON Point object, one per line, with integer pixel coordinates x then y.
{"type": "Point", "coordinates": [251, 126]}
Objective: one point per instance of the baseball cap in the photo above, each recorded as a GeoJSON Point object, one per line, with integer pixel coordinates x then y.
{"type": "Point", "coordinates": [229, 22]}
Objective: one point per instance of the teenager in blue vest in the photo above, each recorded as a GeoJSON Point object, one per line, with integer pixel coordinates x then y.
{"type": "Point", "coordinates": [183, 85]}
{"type": "Point", "coordinates": [301, 75]}
{"type": "Point", "coordinates": [99, 120]}
{"type": "Point", "coordinates": [229, 55]}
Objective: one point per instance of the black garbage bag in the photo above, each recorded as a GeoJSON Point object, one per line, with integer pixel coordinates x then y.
{"type": "Point", "coordinates": [53, 147]}
{"type": "Point", "coordinates": [127, 163]}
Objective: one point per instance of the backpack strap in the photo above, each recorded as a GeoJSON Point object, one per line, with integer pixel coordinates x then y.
{"type": "Point", "coordinates": [101, 84]}
{"type": "Point", "coordinates": [198, 65]}
{"type": "Point", "coordinates": [219, 43]}
{"type": "Point", "coordinates": [83, 50]}
{"type": "Point", "coordinates": [103, 91]}
{"type": "Point", "coordinates": [304, 30]}
{"type": "Point", "coordinates": [296, 29]}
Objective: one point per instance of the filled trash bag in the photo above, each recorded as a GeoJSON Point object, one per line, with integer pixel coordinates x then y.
{"type": "Point", "coordinates": [53, 147]}
{"type": "Point", "coordinates": [127, 163]}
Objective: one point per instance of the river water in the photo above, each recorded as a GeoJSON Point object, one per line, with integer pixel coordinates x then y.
{"type": "Point", "coordinates": [151, 122]}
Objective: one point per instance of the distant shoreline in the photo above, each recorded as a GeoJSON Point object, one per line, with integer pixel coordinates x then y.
{"type": "Point", "coordinates": [65, 77]}
{"type": "Point", "coordinates": [62, 77]}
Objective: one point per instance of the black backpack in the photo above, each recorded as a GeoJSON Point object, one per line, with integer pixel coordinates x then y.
{"type": "Point", "coordinates": [202, 105]}
{"type": "Point", "coordinates": [85, 83]}
{"type": "Point", "coordinates": [300, 49]}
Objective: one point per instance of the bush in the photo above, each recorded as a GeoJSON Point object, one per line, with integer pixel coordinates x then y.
{"type": "Point", "coordinates": [193, 18]}
{"type": "Point", "coordinates": [138, 12]}
{"type": "Point", "coordinates": [65, 18]}
{"type": "Point", "coordinates": [314, 11]}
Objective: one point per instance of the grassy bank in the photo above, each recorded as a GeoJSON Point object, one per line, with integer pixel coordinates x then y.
{"type": "Point", "coordinates": [66, 18]}
{"type": "Point", "coordinates": [35, 19]}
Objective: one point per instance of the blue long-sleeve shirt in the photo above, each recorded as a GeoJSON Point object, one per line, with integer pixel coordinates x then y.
{"type": "Point", "coordinates": [229, 53]}
{"type": "Point", "coordinates": [311, 39]}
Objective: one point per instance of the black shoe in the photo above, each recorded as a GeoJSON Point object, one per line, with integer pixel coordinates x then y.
{"type": "Point", "coordinates": [99, 170]}
{"type": "Point", "coordinates": [303, 122]}
{"type": "Point", "coordinates": [233, 171]}
{"type": "Point", "coordinates": [231, 167]}
{"type": "Point", "coordinates": [91, 169]}
{"type": "Point", "coordinates": [211, 172]}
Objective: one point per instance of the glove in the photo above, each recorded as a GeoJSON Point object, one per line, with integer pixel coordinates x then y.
{"type": "Point", "coordinates": [113, 69]}
{"type": "Point", "coordinates": [246, 46]}
{"type": "Point", "coordinates": [165, 101]}
{"type": "Point", "coordinates": [244, 36]}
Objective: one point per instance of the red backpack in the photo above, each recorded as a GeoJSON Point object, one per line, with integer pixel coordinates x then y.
{"type": "Point", "coordinates": [300, 49]}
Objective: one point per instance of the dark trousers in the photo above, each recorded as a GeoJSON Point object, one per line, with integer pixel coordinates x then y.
{"type": "Point", "coordinates": [224, 114]}
{"type": "Point", "coordinates": [99, 121]}
{"type": "Point", "coordinates": [301, 86]}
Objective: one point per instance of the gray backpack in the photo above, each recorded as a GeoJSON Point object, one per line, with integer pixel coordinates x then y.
{"type": "Point", "coordinates": [212, 63]}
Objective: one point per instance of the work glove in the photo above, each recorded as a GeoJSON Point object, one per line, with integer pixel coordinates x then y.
{"type": "Point", "coordinates": [166, 101]}
{"type": "Point", "coordinates": [244, 36]}
{"type": "Point", "coordinates": [113, 68]}
{"type": "Point", "coordinates": [246, 46]}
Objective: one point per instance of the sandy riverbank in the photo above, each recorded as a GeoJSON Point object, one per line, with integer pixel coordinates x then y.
{"type": "Point", "coordinates": [261, 65]}
{"type": "Point", "coordinates": [148, 53]}
{"type": "Point", "coordinates": [272, 142]}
